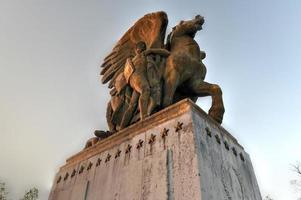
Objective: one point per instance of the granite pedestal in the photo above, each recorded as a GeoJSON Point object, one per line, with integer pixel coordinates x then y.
{"type": "Point", "coordinates": [178, 153]}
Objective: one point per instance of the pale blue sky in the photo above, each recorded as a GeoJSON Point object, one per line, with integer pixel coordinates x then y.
{"type": "Point", "coordinates": [51, 99]}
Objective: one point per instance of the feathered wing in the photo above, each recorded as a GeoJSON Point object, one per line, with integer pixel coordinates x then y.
{"type": "Point", "coordinates": [151, 29]}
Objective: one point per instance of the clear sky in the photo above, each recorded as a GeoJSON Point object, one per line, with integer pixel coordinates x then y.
{"type": "Point", "coordinates": [51, 99]}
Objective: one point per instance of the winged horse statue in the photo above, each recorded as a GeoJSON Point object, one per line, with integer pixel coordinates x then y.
{"type": "Point", "coordinates": [154, 72]}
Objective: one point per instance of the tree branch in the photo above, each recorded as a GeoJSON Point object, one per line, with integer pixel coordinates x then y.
{"type": "Point", "coordinates": [297, 168]}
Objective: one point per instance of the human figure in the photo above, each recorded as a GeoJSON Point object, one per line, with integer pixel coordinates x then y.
{"type": "Point", "coordinates": [135, 73]}
{"type": "Point", "coordinates": [155, 66]}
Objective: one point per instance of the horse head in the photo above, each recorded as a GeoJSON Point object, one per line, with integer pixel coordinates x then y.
{"type": "Point", "coordinates": [189, 27]}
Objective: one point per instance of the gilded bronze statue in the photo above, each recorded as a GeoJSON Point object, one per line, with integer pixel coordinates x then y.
{"type": "Point", "coordinates": [146, 75]}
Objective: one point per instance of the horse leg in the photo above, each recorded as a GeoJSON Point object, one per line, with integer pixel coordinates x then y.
{"type": "Point", "coordinates": [170, 85]}
{"type": "Point", "coordinates": [217, 107]}
{"type": "Point", "coordinates": [151, 106]}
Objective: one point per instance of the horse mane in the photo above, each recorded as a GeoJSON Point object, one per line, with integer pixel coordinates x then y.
{"type": "Point", "coordinates": [168, 39]}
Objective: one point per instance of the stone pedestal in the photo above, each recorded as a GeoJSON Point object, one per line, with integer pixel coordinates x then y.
{"type": "Point", "coordinates": [178, 153]}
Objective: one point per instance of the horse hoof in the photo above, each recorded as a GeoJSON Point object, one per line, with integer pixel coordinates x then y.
{"type": "Point", "coordinates": [217, 114]}
{"type": "Point", "coordinates": [216, 118]}
{"type": "Point", "coordinates": [91, 142]}
{"type": "Point", "coordinates": [102, 134]}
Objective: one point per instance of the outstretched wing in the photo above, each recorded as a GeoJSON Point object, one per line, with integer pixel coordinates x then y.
{"type": "Point", "coordinates": [151, 29]}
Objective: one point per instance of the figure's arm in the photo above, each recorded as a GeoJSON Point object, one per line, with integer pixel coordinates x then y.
{"type": "Point", "coordinates": [157, 51]}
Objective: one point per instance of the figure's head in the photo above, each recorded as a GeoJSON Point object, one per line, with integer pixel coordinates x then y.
{"type": "Point", "coordinates": [190, 27]}
{"type": "Point", "coordinates": [140, 47]}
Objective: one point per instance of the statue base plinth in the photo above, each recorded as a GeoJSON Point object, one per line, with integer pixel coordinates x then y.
{"type": "Point", "coordinates": [178, 153]}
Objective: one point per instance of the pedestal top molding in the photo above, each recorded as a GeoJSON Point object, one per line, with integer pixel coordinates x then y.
{"type": "Point", "coordinates": [154, 120]}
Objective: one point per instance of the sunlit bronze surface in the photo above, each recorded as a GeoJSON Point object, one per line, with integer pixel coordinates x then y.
{"type": "Point", "coordinates": [146, 75]}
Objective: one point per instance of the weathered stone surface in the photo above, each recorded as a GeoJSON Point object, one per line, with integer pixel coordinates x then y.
{"type": "Point", "coordinates": [195, 158]}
